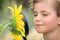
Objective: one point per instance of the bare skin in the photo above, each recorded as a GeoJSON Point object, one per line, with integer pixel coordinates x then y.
{"type": "Point", "coordinates": [46, 21]}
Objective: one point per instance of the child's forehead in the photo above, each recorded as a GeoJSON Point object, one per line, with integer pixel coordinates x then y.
{"type": "Point", "coordinates": [46, 3]}
{"type": "Point", "coordinates": [42, 4]}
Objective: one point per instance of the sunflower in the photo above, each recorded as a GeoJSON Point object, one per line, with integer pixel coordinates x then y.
{"type": "Point", "coordinates": [17, 23]}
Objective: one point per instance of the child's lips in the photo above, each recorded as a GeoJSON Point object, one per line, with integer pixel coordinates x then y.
{"type": "Point", "coordinates": [39, 24]}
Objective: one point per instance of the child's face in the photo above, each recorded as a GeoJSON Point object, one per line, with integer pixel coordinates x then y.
{"type": "Point", "coordinates": [45, 18]}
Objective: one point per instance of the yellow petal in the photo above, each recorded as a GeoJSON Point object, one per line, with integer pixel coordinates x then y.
{"type": "Point", "coordinates": [21, 16]}
{"type": "Point", "coordinates": [17, 37]}
{"type": "Point", "coordinates": [20, 28]}
{"type": "Point", "coordinates": [18, 16]}
{"type": "Point", "coordinates": [15, 7]}
{"type": "Point", "coordinates": [12, 10]}
{"type": "Point", "coordinates": [19, 9]}
{"type": "Point", "coordinates": [20, 22]}
{"type": "Point", "coordinates": [23, 34]}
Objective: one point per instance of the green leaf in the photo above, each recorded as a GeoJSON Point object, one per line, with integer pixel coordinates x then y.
{"type": "Point", "coordinates": [14, 31]}
{"type": "Point", "coordinates": [1, 28]}
{"type": "Point", "coordinates": [13, 27]}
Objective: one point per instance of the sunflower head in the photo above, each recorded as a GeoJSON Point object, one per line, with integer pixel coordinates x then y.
{"type": "Point", "coordinates": [17, 24]}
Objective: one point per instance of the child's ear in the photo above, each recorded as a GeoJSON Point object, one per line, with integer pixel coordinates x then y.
{"type": "Point", "coordinates": [59, 20]}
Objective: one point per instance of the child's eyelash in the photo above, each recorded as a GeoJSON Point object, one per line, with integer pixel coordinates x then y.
{"type": "Point", "coordinates": [45, 14]}
{"type": "Point", "coordinates": [35, 15]}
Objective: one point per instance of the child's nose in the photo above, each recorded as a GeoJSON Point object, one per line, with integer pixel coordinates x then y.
{"type": "Point", "coordinates": [39, 18]}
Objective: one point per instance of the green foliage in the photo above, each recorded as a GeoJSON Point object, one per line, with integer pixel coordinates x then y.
{"type": "Point", "coordinates": [12, 27]}
{"type": "Point", "coordinates": [1, 27]}
{"type": "Point", "coordinates": [14, 31]}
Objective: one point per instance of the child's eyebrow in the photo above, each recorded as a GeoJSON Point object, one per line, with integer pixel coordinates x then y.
{"type": "Point", "coordinates": [40, 11]}
{"type": "Point", "coordinates": [35, 11]}
{"type": "Point", "coordinates": [43, 11]}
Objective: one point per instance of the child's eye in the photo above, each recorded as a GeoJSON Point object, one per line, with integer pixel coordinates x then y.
{"type": "Point", "coordinates": [45, 14]}
{"type": "Point", "coordinates": [35, 15]}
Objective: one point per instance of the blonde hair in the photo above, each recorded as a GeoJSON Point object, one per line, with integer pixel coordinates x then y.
{"type": "Point", "coordinates": [55, 4]}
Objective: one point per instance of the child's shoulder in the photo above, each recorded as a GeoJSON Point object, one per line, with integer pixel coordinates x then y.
{"type": "Point", "coordinates": [33, 35]}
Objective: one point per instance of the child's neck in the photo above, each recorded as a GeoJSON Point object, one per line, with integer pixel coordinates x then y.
{"type": "Point", "coordinates": [54, 35]}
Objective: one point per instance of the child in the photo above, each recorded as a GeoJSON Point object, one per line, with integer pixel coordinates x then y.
{"type": "Point", "coordinates": [47, 18]}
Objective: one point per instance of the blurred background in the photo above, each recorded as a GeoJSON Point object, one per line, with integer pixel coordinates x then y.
{"type": "Point", "coordinates": [28, 13]}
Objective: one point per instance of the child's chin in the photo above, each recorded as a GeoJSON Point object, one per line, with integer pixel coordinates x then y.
{"type": "Point", "coordinates": [41, 31]}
